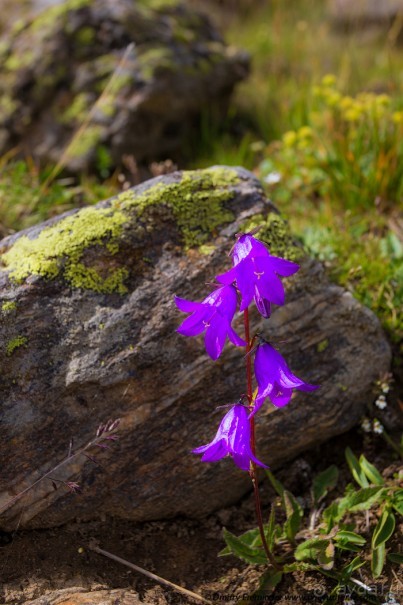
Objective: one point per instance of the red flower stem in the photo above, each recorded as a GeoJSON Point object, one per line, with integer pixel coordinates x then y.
{"type": "Point", "coordinates": [252, 472]}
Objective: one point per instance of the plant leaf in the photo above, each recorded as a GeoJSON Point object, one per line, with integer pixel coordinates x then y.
{"type": "Point", "coordinates": [299, 566]}
{"type": "Point", "coordinates": [276, 484]}
{"type": "Point", "coordinates": [356, 469]}
{"type": "Point", "coordinates": [294, 514]}
{"type": "Point", "coordinates": [358, 500]}
{"type": "Point", "coordinates": [324, 482]}
{"type": "Point", "coordinates": [351, 567]}
{"type": "Point", "coordinates": [395, 557]}
{"type": "Point", "coordinates": [371, 471]}
{"type": "Point", "coordinates": [270, 532]}
{"type": "Point", "coordinates": [250, 538]}
{"type": "Point", "coordinates": [384, 529]}
{"type": "Point", "coordinates": [349, 536]}
{"type": "Point", "coordinates": [310, 548]}
{"type": "Point", "coordinates": [363, 499]}
{"type": "Point", "coordinates": [378, 560]}
{"type": "Point", "coordinates": [255, 556]}
{"type": "Point", "coordinates": [326, 556]}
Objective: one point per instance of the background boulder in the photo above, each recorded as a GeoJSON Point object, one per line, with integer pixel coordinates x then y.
{"type": "Point", "coordinates": [87, 333]}
{"type": "Point", "coordinates": [131, 77]}
{"type": "Point", "coordinates": [358, 12]}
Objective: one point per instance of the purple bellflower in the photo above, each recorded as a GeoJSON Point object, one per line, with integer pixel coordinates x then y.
{"type": "Point", "coordinates": [232, 439]}
{"type": "Point", "coordinates": [275, 379]}
{"type": "Point", "coordinates": [255, 273]}
{"type": "Point", "coordinates": [214, 315]}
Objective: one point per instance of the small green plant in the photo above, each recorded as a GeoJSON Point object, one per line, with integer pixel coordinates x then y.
{"type": "Point", "coordinates": [330, 540]}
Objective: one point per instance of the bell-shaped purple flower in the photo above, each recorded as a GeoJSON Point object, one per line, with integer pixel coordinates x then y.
{"type": "Point", "coordinates": [232, 439]}
{"type": "Point", "coordinates": [275, 379]}
{"type": "Point", "coordinates": [214, 315]}
{"type": "Point", "coordinates": [256, 273]}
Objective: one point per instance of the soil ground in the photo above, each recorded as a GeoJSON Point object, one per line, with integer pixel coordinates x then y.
{"type": "Point", "coordinates": [35, 563]}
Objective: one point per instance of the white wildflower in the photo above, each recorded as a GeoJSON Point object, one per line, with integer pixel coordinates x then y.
{"type": "Point", "coordinates": [377, 427]}
{"type": "Point", "coordinates": [366, 425]}
{"type": "Point", "coordinates": [272, 178]}
{"type": "Point", "coordinates": [381, 402]}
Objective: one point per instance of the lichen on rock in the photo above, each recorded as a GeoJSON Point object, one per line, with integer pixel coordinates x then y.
{"type": "Point", "coordinates": [15, 343]}
{"type": "Point", "coordinates": [195, 199]}
{"type": "Point", "coordinates": [275, 232]}
{"type": "Point", "coordinates": [8, 306]}
{"type": "Point", "coordinates": [60, 248]}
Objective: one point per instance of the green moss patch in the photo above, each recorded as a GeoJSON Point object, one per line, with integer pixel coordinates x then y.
{"type": "Point", "coordinates": [275, 232]}
{"type": "Point", "coordinates": [196, 202]}
{"type": "Point", "coordinates": [15, 343]}
{"type": "Point", "coordinates": [58, 250]}
{"type": "Point", "coordinates": [8, 306]}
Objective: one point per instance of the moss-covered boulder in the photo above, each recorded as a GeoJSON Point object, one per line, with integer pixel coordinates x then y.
{"type": "Point", "coordinates": [87, 333]}
{"type": "Point", "coordinates": [365, 12]}
{"type": "Point", "coordinates": [90, 81]}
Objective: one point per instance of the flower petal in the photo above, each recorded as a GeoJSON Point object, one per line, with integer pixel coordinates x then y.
{"type": "Point", "coordinates": [280, 397]}
{"type": "Point", "coordinates": [193, 325]}
{"type": "Point", "coordinates": [234, 338]}
{"type": "Point", "coordinates": [187, 306]}
{"type": "Point", "coordinates": [265, 366]}
{"type": "Point", "coordinates": [262, 304]}
{"type": "Point", "coordinates": [215, 337]}
{"type": "Point", "coordinates": [245, 281]}
{"type": "Point", "coordinates": [217, 451]}
{"type": "Point", "coordinates": [269, 285]}
{"type": "Point", "coordinates": [228, 277]}
{"type": "Point", "coordinates": [248, 246]}
{"type": "Point", "coordinates": [242, 461]}
{"type": "Point", "coordinates": [282, 266]}
{"type": "Point", "coordinates": [308, 387]}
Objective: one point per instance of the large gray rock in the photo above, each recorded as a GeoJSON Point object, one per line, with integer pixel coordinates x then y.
{"type": "Point", "coordinates": [353, 12]}
{"type": "Point", "coordinates": [87, 333]}
{"type": "Point", "coordinates": [56, 80]}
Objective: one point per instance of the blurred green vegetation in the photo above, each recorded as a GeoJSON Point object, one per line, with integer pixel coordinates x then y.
{"type": "Point", "coordinates": [329, 149]}
{"type": "Point", "coordinates": [28, 197]}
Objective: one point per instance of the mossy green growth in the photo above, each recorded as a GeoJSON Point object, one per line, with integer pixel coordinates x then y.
{"type": "Point", "coordinates": [8, 306]}
{"type": "Point", "coordinates": [47, 17]}
{"type": "Point", "coordinates": [196, 201]}
{"type": "Point", "coordinates": [58, 250]}
{"type": "Point", "coordinates": [155, 58]}
{"type": "Point", "coordinates": [85, 36]}
{"type": "Point", "coordinates": [84, 142]}
{"type": "Point", "coordinates": [322, 345]}
{"type": "Point", "coordinates": [15, 343]}
{"type": "Point", "coordinates": [77, 110]}
{"type": "Point", "coordinates": [158, 4]}
{"type": "Point", "coordinates": [275, 232]}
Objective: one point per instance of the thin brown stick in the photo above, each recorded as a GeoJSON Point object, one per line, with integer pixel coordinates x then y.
{"type": "Point", "coordinates": [149, 574]}
{"type": "Point", "coordinates": [253, 471]}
